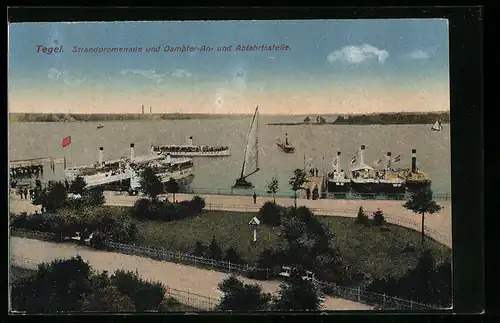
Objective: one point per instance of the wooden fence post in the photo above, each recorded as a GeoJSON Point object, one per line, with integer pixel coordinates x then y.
{"type": "Point", "coordinates": [383, 302]}
{"type": "Point", "coordinates": [229, 265]}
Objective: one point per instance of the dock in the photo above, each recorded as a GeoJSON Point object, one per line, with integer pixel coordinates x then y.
{"type": "Point", "coordinates": [35, 162]}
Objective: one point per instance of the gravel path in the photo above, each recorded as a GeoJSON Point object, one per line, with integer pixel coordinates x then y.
{"type": "Point", "coordinates": [195, 280]}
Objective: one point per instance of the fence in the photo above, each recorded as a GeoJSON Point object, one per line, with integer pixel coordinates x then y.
{"type": "Point", "coordinates": [230, 191]}
{"type": "Point", "coordinates": [182, 258]}
{"type": "Point", "coordinates": [354, 294]}
{"type": "Point", "coordinates": [196, 301]}
{"type": "Point", "coordinates": [361, 296]}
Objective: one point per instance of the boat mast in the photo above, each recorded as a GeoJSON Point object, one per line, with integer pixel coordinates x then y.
{"type": "Point", "coordinates": [246, 146]}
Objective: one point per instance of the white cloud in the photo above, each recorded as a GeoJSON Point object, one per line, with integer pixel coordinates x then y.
{"type": "Point", "coordinates": [419, 54]}
{"type": "Point", "coordinates": [54, 74]}
{"type": "Point", "coordinates": [64, 75]}
{"type": "Point", "coordinates": [181, 73]}
{"type": "Point", "coordinates": [358, 54]}
{"type": "Point", "coordinates": [73, 81]}
{"type": "Point", "coordinates": [149, 74]}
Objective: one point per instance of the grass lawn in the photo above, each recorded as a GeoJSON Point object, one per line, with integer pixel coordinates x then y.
{"type": "Point", "coordinates": [366, 249]}
{"type": "Point", "coordinates": [231, 229]}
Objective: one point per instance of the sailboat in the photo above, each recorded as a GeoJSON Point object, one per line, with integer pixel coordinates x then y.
{"type": "Point", "coordinates": [437, 126]}
{"type": "Point", "coordinates": [251, 159]}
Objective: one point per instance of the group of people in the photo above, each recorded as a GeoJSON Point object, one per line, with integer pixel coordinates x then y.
{"type": "Point", "coordinates": [314, 172]}
{"type": "Point", "coordinates": [27, 171]}
{"type": "Point", "coordinates": [25, 193]}
{"type": "Point", "coordinates": [191, 149]}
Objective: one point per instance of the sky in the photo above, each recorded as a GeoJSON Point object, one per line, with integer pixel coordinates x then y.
{"type": "Point", "coordinates": [330, 67]}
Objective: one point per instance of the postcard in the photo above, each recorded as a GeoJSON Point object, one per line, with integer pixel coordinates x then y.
{"type": "Point", "coordinates": [191, 166]}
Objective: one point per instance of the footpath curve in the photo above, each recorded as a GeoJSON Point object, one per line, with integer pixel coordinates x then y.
{"type": "Point", "coordinates": [438, 226]}
{"type": "Point", "coordinates": [195, 280]}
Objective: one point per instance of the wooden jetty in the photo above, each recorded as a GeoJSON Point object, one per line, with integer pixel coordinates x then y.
{"type": "Point", "coordinates": [35, 162]}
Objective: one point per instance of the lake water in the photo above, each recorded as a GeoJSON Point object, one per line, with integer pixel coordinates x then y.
{"type": "Point", "coordinates": [319, 143]}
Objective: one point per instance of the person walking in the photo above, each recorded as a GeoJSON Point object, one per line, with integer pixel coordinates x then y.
{"type": "Point", "coordinates": [254, 198]}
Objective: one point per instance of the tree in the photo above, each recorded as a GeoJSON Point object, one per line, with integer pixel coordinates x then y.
{"type": "Point", "coordinates": [242, 297]}
{"type": "Point", "coordinates": [421, 202]}
{"type": "Point", "coordinates": [272, 187]}
{"type": "Point", "coordinates": [78, 185]}
{"type": "Point", "coordinates": [55, 197]}
{"type": "Point", "coordinates": [378, 217]}
{"type": "Point", "coordinates": [270, 213]}
{"type": "Point", "coordinates": [95, 196]}
{"type": "Point", "coordinates": [199, 249]}
{"type": "Point", "coordinates": [107, 299]}
{"type": "Point", "coordinates": [298, 295]}
{"type": "Point", "coordinates": [307, 120]}
{"type": "Point", "coordinates": [362, 218]}
{"type": "Point", "coordinates": [172, 187]}
{"type": "Point", "coordinates": [233, 256]}
{"type": "Point", "coordinates": [56, 286]}
{"type": "Point", "coordinates": [296, 182]}
{"type": "Point", "coordinates": [150, 183]}
{"type": "Point", "coordinates": [214, 249]}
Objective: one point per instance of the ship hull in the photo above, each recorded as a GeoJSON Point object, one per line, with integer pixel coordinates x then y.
{"type": "Point", "coordinates": [197, 151]}
{"type": "Point", "coordinates": [417, 185]}
{"type": "Point", "coordinates": [242, 183]}
{"type": "Point", "coordinates": [338, 188]}
{"type": "Point", "coordinates": [286, 149]}
{"type": "Point", "coordinates": [365, 188]}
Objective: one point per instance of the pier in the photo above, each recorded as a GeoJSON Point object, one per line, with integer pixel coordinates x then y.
{"type": "Point", "coordinates": [35, 162]}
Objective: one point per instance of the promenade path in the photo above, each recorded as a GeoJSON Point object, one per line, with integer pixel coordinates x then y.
{"type": "Point", "coordinates": [438, 226]}
{"type": "Point", "coordinates": [195, 280]}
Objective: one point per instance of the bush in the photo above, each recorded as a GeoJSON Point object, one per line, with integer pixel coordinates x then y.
{"type": "Point", "coordinates": [270, 213]}
{"type": "Point", "coordinates": [147, 296]}
{"type": "Point", "coordinates": [233, 256]}
{"type": "Point", "coordinates": [145, 209]}
{"type": "Point", "coordinates": [200, 250]}
{"type": "Point", "coordinates": [362, 218]}
{"type": "Point", "coordinates": [378, 218]}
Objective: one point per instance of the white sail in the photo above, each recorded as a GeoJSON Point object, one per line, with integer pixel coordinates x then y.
{"type": "Point", "coordinates": [437, 126]}
{"type": "Point", "coordinates": [251, 162]}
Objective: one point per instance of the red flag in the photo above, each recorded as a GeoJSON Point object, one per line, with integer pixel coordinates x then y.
{"type": "Point", "coordinates": [66, 141]}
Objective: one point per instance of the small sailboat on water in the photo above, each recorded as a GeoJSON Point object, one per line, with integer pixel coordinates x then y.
{"type": "Point", "coordinates": [437, 126]}
{"type": "Point", "coordinates": [285, 147]}
{"type": "Point", "coordinates": [251, 159]}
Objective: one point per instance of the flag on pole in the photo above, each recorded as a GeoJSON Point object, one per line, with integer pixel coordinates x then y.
{"type": "Point", "coordinates": [397, 158]}
{"type": "Point", "coordinates": [335, 162]}
{"type": "Point", "coordinates": [353, 159]}
{"type": "Point", "coordinates": [66, 141]}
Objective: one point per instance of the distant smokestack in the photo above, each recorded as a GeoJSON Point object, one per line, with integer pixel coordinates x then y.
{"type": "Point", "coordinates": [337, 167]}
{"type": "Point", "coordinates": [101, 155]}
{"type": "Point", "coordinates": [132, 152]}
{"type": "Point", "coordinates": [150, 110]}
{"type": "Point", "coordinates": [362, 155]}
{"type": "Point", "coordinates": [190, 141]}
{"type": "Point", "coordinates": [142, 109]}
{"type": "Point", "coordinates": [413, 160]}
{"type": "Point", "coordinates": [389, 160]}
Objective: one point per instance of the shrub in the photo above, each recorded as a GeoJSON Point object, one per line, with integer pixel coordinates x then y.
{"type": "Point", "coordinates": [199, 249]}
{"type": "Point", "coordinates": [378, 218]}
{"type": "Point", "coordinates": [198, 204]}
{"type": "Point", "coordinates": [362, 218]}
{"type": "Point", "coordinates": [233, 256]}
{"type": "Point", "coordinates": [146, 295]}
{"type": "Point", "coordinates": [270, 213]}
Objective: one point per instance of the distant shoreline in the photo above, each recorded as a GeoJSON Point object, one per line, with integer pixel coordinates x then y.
{"type": "Point", "coordinates": [374, 118]}
{"type": "Point", "coordinates": [353, 119]}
